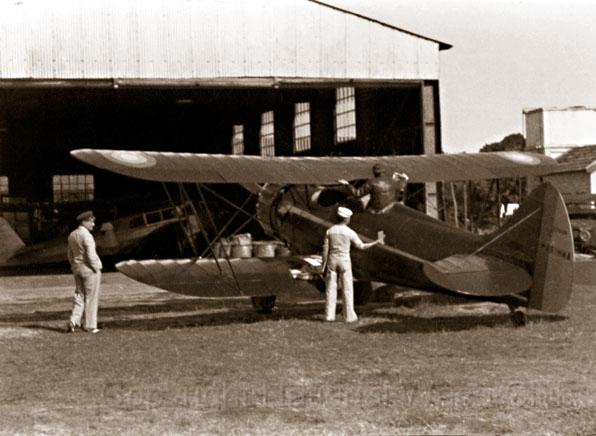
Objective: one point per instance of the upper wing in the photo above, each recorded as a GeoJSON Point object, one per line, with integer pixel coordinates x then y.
{"type": "Point", "coordinates": [219, 168]}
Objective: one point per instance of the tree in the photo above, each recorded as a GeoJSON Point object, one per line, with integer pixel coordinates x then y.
{"type": "Point", "coordinates": [515, 141]}
{"type": "Point", "coordinates": [483, 196]}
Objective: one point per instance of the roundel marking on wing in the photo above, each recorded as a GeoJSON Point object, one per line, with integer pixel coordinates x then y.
{"type": "Point", "coordinates": [136, 159]}
{"type": "Point", "coordinates": [521, 158]}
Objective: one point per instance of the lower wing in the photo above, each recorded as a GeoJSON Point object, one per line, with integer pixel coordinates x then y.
{"type": "Point", "coordinates": [215, 278]}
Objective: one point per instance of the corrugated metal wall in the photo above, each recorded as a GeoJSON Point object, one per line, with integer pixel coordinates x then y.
{"type": "Point", "coordinates": [194, 39]}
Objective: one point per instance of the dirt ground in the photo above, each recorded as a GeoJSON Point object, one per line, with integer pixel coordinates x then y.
{"type": "Point", "coordinates": [165, 363]}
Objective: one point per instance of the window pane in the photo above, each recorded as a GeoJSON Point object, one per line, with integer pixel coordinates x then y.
{"type": "Point", "coordinates": [267, 136]}
{"type": "Point", "coordinates": [345, 114]}
{"type": "Point", "coordinates": [302, 126]}
{"type": "Point", "coordinates": [75, 187]}
{"type": "Point", "coordinates": [238, 139]}
{"type": "Point", "coordinates": [3, 185]}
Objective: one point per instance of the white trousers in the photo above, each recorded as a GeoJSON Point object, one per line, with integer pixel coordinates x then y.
{"type": "Point", "coordinates": [339, 270]}
{"type": "Point", "coordinates": [86, 300]}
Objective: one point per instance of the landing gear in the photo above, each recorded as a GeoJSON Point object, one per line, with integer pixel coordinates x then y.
{"type": "Point", "coordinates": [263, 304]}
{"type": "Point", "coordinates": [519, 317]}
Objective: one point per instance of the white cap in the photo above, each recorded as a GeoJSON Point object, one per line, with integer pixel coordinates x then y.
{"type": "Point", "coordinates": [344, 212]}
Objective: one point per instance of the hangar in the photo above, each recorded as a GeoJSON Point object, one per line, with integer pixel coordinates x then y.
{"type": "Point", "coordinates": [265, 77]}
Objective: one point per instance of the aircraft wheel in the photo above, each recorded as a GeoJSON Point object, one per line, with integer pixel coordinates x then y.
{"type": "Point", "coordinates": [518, 316]}
{"type": "Point", "coordinates": [362, 292]}
{"type": "Point", "coordinates": [263, 304]}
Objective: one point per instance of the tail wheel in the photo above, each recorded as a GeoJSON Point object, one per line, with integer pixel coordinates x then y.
{"type": "Point", "coordinates": [519, 317]}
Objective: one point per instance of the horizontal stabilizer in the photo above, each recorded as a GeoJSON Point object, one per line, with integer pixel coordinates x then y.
{"type": "Point", "coordinates": [478, 274]}
{"type": "Point", "coordinates": [211, 278]}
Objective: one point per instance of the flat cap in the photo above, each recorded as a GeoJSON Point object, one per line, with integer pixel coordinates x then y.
{"type": "Point", "coordinates": [344, 212]}
{"type": "Point", "coordinates": [84, 216]}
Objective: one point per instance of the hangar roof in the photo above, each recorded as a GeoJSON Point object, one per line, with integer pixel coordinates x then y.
{"type": "Point", "coordinates": [203, 40]}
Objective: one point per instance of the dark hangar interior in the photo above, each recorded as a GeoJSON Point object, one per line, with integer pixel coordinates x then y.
{"type": "Point", "coordinates": [45, 115]}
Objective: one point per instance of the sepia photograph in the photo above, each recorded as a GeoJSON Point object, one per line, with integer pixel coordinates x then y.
{"type": "Point", "coordinates": [297, 217]}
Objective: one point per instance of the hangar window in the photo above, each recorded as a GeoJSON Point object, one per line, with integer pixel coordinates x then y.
{"type": "Point", "coordinates": [3, 185]}
{"type": "Point", "coordinates": [345, 114]}
{"type": "Point", "coordinates": [267, 140]}
{"type": "Point", "coordinates": [301, 127]}
{"type": "Point", "coordinates": [238, 139]}
{"type": "Point", "coordinates": [74, 187]}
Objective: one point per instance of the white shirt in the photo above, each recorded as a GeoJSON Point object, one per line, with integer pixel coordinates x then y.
{"type": "Point", "coordinates": [81, 250]}
{"type": "Point", "coordinates": [338, 240]}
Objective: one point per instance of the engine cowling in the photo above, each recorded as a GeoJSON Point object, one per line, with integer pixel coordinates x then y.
{"type": "Point", "coordinates": [267, 202]}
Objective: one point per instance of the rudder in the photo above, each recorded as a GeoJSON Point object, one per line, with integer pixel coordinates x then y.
{"type": "Point", "coordinates": [539, 237]}
{"type": "Point", "coordinates": [553, 265]}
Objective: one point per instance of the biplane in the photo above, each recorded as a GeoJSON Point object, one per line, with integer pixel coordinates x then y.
{"type": "Point", "coordinates": [527, 263]}
{"type": "Point", "coordinates": [115, 239]}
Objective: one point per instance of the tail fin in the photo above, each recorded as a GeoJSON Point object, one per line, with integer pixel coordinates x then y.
{"type": "Point", "coordinates": [11, 242]}
{"type": "Point", "coordinates": [539, 237]}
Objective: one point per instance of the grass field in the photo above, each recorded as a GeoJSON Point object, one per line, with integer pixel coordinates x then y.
{"type": "Point", "coordinates": [169, 364]}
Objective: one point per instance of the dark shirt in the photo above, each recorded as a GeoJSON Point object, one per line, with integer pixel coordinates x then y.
{"type": "Point", "coordinates": [383, 191]}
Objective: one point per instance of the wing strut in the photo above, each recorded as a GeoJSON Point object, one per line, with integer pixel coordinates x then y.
{"type": "Point", "coordinates": [227, 224]}
{"type": "Point", "coordinates": [179, 215]}
{"type": "Point", "coordinates": [221, 197]}
{"type": "Point", "coordinates": [212, 221]}
{"type": "Point", "coordinates": [184, 194]}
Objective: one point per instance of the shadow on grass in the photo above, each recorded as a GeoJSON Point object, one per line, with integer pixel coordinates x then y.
{"type": "Point", "coordinates": [173, 314]}
{"type": "Point", "coordinates": [400, 323]}
{"type": "Point", "coordinates": [50, 328]}
{"type": "Point", "coordinates": [234, 316]}
{"type": "Point", "coordinates": [172, 305]}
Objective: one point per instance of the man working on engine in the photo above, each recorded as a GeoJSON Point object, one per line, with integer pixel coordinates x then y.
{"type": "Point", "coordinates": [384, 190]}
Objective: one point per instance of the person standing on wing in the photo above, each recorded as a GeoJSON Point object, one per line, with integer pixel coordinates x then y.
{"type": "Point", "coordinates": [337, 264]}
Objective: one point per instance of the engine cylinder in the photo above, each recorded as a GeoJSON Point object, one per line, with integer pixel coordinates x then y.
{"type": "Point", "coordinates": [267, 201]}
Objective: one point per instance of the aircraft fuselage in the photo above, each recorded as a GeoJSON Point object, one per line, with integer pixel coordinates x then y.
{"type": "Point", "coordinates": [412, 238]}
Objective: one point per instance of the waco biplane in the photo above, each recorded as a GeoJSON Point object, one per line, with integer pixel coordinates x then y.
{"type": "Point", "coordinates": [528, 263]}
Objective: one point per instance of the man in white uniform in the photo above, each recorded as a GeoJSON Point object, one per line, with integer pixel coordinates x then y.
{"type": "Point", "coordinates": [86, 267]}
{"type": "Point", "coordinates": [337, 264]}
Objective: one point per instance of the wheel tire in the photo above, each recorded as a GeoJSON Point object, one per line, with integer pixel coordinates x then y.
{"type": "Point", "coordinates": [519, 318]}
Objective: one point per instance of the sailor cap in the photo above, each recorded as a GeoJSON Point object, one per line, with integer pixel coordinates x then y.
{"type": "Point", "coordinates": [344, 212]}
